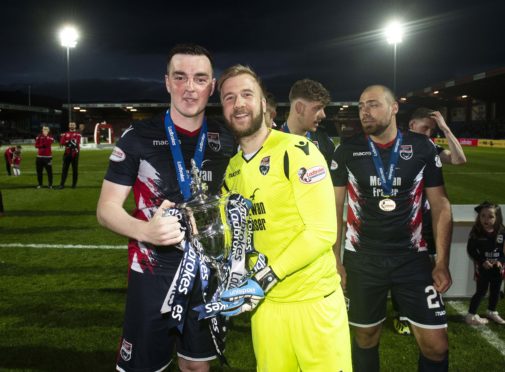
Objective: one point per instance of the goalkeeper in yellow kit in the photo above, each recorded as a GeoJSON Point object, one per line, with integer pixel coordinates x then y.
{"type": "Point", "coordinates": [300, 322]}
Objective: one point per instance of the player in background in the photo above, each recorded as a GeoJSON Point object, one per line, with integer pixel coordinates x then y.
{"type": "Point", "coordinates": [44, 160]}
{"type": "Point", "coordinates": [71, 140]}
{"type": "Point", "coordinates": [307, 99]}
{"type": "Point", "coordinates": [486, 248]}
{"type": "Point", "coordinates": [16, 162]}
{"type": "Point", "coordinates": [426, 121]}
{"type": "Point", "coordinates": [271, 112]}
{"type": "Point", "coordinates": [385, 175]}
{"type": "Point", "coordinates": [146, 160]}
{"type": "Point", "coordinates": [8, 154]}
{"type": "Point", "coordinates": [301, 322]}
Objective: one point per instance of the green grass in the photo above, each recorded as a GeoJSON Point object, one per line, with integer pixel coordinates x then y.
{"type": "Point", "coordinates": [62, 309]}
{"type": "Point", "coordinates": [481, 178]}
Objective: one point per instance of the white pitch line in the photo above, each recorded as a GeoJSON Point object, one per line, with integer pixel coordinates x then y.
{"type": "Point", "coordinates": [62, 246]}
{"type": "Point", "coordinates": [484, 330]}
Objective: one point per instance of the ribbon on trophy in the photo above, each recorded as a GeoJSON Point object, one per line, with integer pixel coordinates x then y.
{"type": "Point", "coordinates": [219, 237]}
{"type": "Point", "coordinates": [232, 270]}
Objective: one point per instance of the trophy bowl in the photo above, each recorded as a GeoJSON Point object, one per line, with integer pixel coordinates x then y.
{"type": "Point", "coordinates": [205, 214]}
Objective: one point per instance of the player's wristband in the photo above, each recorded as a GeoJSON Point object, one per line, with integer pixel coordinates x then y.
{"type": "Point", "coordinates": [266, 278]}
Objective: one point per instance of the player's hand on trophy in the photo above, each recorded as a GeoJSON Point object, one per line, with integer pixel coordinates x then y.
{"type": "Point", "coordinates": [250, 293]}
{"type": "Point", "coordinates": [164, 230]}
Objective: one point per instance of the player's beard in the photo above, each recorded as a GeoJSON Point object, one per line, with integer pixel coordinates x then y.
{"type": "Point", "coordinates": [379, 127]}
{"type": "Point", "coordinates": [253, 127]}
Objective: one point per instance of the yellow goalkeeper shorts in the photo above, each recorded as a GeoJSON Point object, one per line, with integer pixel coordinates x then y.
{"type": "Point", "coordinates": [307, 336]}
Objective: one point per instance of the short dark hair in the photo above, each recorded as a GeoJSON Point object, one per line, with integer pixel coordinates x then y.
{"type": "Point", "coordinates": [389, 93]}
{"type": "Point", "coordinates": [189, 49]}
{"type": "Point", "coordinates": [421, 113]}
{"type": "Point", "coordinates": [309, 90]}
{"type": "Point", "coordinates": [239, 70]}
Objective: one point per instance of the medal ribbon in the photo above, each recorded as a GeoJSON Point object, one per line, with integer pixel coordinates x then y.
{"type": "Point", "coordinates": [386, 178]}
{"type": "Point", "coordinates": [285, 129]}
{"type": "Point", "coordinates": [183, 177]}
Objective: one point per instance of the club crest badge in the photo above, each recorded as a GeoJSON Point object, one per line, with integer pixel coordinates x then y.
{"type": "Point", "coordinates": [213, 141]}
{"type": "Point", "coordinates": [265, 165]}
{"type": "Point", "coordinates": [499, 238]}
{"type": "Point", "coordinates": [406, 152]}
{"type": "Point", "coordinates": [126, 350]}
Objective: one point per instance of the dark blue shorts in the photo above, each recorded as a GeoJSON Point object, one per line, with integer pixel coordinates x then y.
{"type": "Point", "coordinates": [408, 277]}
{"type": "Point", "coordinates": [147, 344]}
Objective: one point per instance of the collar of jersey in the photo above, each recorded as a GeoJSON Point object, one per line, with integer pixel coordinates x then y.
{"type": "Point", "coordinates": [383, 145]}
{"type": "Point", "coordinates": [186, 132]}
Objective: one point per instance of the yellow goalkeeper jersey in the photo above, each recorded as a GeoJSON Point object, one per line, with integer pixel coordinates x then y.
{"type": "Point", "coordinates": [293, 213]}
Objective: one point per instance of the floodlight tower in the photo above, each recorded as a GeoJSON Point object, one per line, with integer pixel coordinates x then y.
{"type": "Point", "coordinates": [394, 35]}
{"type": "Point", "coordinates": [68, 38]}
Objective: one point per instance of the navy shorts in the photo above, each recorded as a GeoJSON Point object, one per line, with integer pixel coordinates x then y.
{"type": "Point", "coordinates": [147, 344]}
{"type": "Point", "coordinates": [408, 277]}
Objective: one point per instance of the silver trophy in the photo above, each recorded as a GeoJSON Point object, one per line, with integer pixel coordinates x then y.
{"type": "Point", "coordinates": [205, 218]}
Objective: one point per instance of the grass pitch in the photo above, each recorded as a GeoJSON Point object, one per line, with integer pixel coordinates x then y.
{"type": "Point", "coordinates": [62, 309]}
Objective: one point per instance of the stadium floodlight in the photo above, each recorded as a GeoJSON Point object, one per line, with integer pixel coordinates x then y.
{"type": "Point", "coordinates": [394, 36]}
{"type": "Point", "coordinates": [68, 38]}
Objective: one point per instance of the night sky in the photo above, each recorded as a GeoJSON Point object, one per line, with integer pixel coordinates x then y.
{"type": "Point", "coordinates": [121, 55]}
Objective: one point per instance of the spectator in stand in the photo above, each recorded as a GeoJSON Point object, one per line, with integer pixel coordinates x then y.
{"type": "Point", "coordinates": [43, 143]}
{"type": "Point", "coordinates": [8, 158]}
{"type": "Point", "coordinates": [72, 142]}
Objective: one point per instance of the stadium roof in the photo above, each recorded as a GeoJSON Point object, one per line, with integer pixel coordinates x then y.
{"type": "Point", "coordinates": [13, 107]}
{"type": "Point", "coordinates": [484, 86]}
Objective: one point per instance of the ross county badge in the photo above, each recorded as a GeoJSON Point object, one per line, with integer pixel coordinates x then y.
{"type": "Point", "coordinates": [265, 165]}
{"type": "Point", "coordinates": [126, 350]}
{"type": "Point", "coordinates": [406, 152]}
{"type": "Point", "coordinates": [213, 141]}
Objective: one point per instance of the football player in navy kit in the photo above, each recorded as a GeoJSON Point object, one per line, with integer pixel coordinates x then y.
{"type": "Point", "coordinates": [307, 99]}
{"type": "Point", "coordinates": [425, 121]}
{"type": "Point", "coordinates": [385, 174]}
{"type": "Point", "coordinates": [148, 160]}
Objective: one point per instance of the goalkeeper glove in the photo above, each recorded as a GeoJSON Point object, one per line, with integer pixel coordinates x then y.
{"type": "Point", "coordinates": [250, 292]}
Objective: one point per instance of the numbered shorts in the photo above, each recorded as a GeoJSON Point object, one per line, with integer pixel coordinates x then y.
{"type": "Point", "coordinates": [307, 336]}
{"type": "Point", "coordinates": [370, 277]}
{"type": "Point", "coordinates": [147, 343]}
